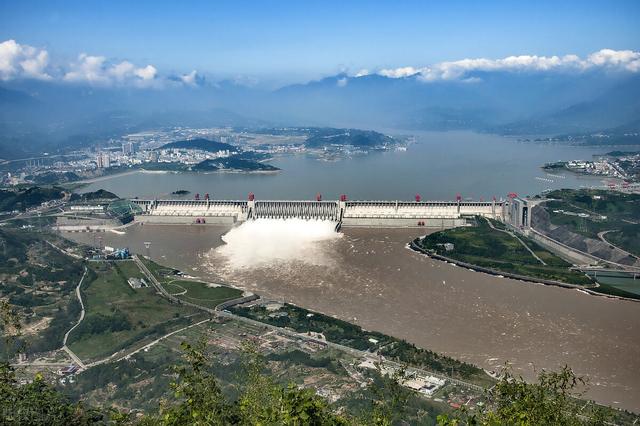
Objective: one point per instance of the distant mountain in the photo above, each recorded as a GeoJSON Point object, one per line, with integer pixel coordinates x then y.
{"type": "Point", "coordinates": [618, 106]}
{"type": "Point", "coordinates": [37, 116]}
{"type": "Point", "coordinates": [201, 144]}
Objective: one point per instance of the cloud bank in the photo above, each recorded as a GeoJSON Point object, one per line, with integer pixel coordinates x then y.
{"type": "Point", "coordinates": [621, 60]}
{"type": "Point", "coordinates": [97, 71]}
{"type": "Point", "coordinates": [21, 61]}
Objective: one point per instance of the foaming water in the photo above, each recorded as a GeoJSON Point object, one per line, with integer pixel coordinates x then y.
{"type": "Point", "coordinates": [276, 243]}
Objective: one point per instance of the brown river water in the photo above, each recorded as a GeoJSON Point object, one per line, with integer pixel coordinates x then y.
{"type": "Point", "coordinates": [369, 277]}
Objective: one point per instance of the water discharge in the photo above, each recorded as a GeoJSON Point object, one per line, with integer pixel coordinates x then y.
{"type": "Point", "coordinates": [277, 243]}
{"type": "Point", "coordinates": [367, 276]}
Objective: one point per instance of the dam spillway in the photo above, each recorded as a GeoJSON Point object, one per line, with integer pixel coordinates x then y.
{"type": "Point", "coordinates": [366, 213]}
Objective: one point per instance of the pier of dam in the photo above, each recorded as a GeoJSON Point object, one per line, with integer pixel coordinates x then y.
{"type": "Point", "coordinates": [381, 213]}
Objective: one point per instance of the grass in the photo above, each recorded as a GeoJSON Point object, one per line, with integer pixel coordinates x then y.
{"type": "Point", "coordinates": [118, 316]}
{"type": "Point", "coordinates": [607, 210]}
{"type": "Point", "coordinates": [197, 292]}
{"type": "Point", "coordinates": [202, 294]}
{"type": "Point", "coordinates": [490, 248]}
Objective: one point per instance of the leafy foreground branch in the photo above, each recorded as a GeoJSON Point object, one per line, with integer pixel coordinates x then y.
{"type": "Point", "coordinates": [199, 400]}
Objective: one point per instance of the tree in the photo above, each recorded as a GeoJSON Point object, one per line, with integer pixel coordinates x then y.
{"type": "Point", "coordinates": [550, 401]}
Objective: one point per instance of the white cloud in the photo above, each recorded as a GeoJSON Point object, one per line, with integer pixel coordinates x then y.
{"type": "Point", "coordinates": [363, 72]}
{"type": "Point", "coordinates": [190, 79]}
{"type": "Point", "coordinates": [98, 71]}
{"type": "Point", "coordinates": [624, 60]}
{"type": "Point", "coordinates": [147, 73]}
{"type": "Point", "coordinates": [22, 61]}
{"type": "Point", "coordinates": [627, 59]}
{"type": "Point", "coordinates": [342, 82]}
{"type": "Point", "coordinates": [399, 72]}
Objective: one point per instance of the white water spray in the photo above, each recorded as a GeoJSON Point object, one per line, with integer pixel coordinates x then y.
{"type": "Point", "coordinates": [273, 242]}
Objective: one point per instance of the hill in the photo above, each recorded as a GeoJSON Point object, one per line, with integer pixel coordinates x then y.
{"type": "Point", "coordinates": [201, 144]}
{"type": "Point", "coordinates": [322, 137]}
{"type": "Point", "coordinates": [23, 199]}
{"type": "Point", "coordinates": [234, 162]}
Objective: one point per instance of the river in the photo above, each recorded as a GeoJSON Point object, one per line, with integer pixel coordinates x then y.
{"type": "Point", "coordinates": [369, 277]}
{"type": "Point", "coordinates": [438, 166]}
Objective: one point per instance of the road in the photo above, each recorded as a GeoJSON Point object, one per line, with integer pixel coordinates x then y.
{"type": "Point", "coordinates": [66, 335]}
{"type": "Point", "coordinates": [295, 335]}
{"type": "Point", "coordinates": [601, 236]}
{"type": "Point", "coordinates": [158, 340]}
{"type": "Point", "coordinates": [517, 238]}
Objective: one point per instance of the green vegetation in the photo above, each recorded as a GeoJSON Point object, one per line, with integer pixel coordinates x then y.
{"type": "Point", "coordinates": [234, 162]}
{"type": "Point", "coordinates": [602, 211]}
{"type": "Point", "coordinates": [23, 199]}
{"type": "Point", "coordinates": [198, 393]}
{"type": "Point", "coordinates": [198, 398]}
{"type": "Point", "coordinates": [626, 236]}
{"type": "Point", "coordinates": [547, 402]}
{"type": "Point", "coordinates": [353, 336]}
{"type": "Point", "coordinates": [54, 178]}
{"type": "Point", "coordinates": [118, 316]}
{"type": "Point", "coordinates": [322, 137]}
{"type": "Point", "coordinates": [201, 293]}
{"type": "Point", "coordinates": [38, 281]}
{"type": "Point", "coordinates": [491, 248]}
{"type": "Point", "coordinates": [100, 194]}
{"type": "Point", "coordinates": [201, 144]}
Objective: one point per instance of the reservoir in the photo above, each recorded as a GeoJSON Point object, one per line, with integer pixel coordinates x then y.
{"type": "Point", "coordinates": [438, 166]}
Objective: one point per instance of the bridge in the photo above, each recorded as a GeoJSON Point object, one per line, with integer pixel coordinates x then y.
{"type": "Point", "coordinates": [379, 213]}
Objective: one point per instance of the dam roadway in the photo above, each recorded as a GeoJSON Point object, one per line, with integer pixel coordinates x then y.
{"type": "Point", "coordinates": [434, 214]}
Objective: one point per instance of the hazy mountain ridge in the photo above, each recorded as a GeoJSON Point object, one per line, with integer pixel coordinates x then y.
{"type": "Point", "coordinates": [200, 144]}
{"type": "Point", "coordinates": [41, 115]}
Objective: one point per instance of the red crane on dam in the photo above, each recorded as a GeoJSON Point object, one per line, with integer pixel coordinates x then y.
{"type": "Point", "coordinates": [206, 196]}
{"type": "Point", "coordinates": [343, 197]}
{"type": "Point", "coordinates": [318, 197]}
{"type": "Point", "coordinates": [251, 196]}
{"type": "Point", "coordinates": [197, 197]}
{"type": "Point", "coordinates": [418, 198]}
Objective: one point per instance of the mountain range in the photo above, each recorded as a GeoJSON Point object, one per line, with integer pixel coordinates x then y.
{"type": "Point", "coordinates": [38, 116]}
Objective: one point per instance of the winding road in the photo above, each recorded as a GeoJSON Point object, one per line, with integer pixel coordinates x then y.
{"type": "Point", "coordinates": [66, 335]}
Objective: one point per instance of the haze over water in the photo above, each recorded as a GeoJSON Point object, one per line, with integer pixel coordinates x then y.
{"type": "Point", "coordinates": [438, 166]}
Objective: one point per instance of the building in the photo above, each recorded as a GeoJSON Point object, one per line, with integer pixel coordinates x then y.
{"type": "Point", "coordinates": [103, 160]}
{"type": "Point", "coordinates": [128, 148]}
{"type": "Point", "coordinates": [519, 213]}
{"type": "Point", "coordinates": [136, 283]}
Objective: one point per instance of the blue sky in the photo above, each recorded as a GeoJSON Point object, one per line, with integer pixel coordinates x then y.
{"type": "Point", "coordinates": [301, 40]}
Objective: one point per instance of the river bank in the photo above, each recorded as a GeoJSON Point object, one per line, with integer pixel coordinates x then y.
{"type": "Point", "coordinates": [368, 277]}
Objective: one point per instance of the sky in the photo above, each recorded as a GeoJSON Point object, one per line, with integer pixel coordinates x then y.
{"type": "Point", "coordinates": [291, 41]}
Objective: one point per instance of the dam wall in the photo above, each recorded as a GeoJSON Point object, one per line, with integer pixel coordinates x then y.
{"type": "Point", "coordinates": [431, 214]}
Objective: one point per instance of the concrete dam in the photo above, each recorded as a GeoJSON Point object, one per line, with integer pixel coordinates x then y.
{"type": "Point", "coordinates": [431, 214]}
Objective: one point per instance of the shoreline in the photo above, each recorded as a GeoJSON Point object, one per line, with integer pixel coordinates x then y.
{"type": "Point", "coordinates": [501, 274]}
